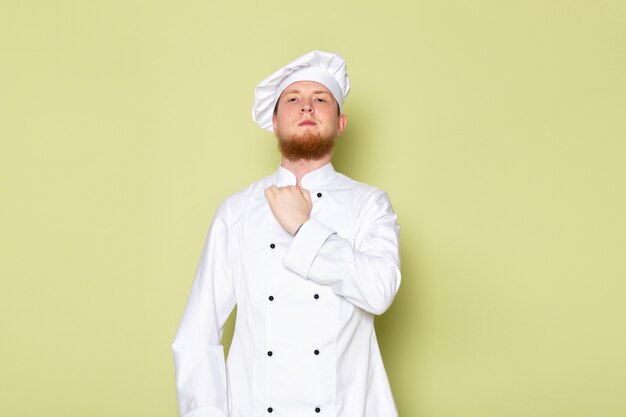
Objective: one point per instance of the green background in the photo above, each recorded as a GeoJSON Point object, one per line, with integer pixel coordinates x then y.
{"type": "Point", "coordinates": [498, 129]}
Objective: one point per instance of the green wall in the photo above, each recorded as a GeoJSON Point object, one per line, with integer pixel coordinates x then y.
{"type": "Point", "coordinates": [498, 129]}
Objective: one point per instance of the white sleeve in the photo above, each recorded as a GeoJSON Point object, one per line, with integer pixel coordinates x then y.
{"type": "Point", "coordinates": [368, 274]}
{"type": "Point", "coordinates": [198, 354]}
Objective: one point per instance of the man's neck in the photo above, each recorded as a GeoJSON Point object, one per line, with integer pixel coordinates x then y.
{"type": "Point", "coordinates": [302, 167]}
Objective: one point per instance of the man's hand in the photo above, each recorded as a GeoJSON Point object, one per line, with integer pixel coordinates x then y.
{"type": "Point", "coordinates": [291, 206]}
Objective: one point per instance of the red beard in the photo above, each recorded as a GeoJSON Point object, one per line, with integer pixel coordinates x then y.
{"type": "Point", "coordinates": [309, 146]}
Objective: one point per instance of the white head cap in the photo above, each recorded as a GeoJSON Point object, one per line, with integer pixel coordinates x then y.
{"type": "Point", "coordinates": [326, 68]}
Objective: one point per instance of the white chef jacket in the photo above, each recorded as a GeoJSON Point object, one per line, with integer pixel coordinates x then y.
{"type": "Point", "coordinates": [304, 341]}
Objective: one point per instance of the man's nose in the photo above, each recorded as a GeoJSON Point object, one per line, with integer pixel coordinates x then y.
{"type": "Point", "coordinates": [306, 108]}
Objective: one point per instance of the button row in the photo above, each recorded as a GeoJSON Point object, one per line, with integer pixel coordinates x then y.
{"type": "Point", "coordinates": [316, 351]}
{"type": "Point", "coordinates": [316, 296]}
{"type": "Point", "coordinates": [270, 353]}
{"type": "Point", "coordinates": [271, 410]}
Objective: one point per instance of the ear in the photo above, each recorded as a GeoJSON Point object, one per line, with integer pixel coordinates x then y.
{"type": "Point", "coordinates": [343, 121]}
{"type": "Point", "coordinates": [274, 122]}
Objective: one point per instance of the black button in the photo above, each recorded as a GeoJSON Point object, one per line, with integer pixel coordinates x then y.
{"type": "Point", "coordinates": [317, 352]}
{"type": "Point", "coordinates": [317, 409]}
{"type": "Point", "coordinates": [319, 195]}
{"type": "Point", "coordinates": [271, 297]}
{"type": "Point", "coordinates": [316, 296]}
{"type": "Point", "coordinates": [269, 353]}
{"type": "Point", "coordinates": [270, 409]}
{"type": "Point", "coordinates": [272, 246]}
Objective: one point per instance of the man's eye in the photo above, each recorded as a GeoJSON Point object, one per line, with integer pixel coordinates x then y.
{"type": "Point", "coordinates": [292, 99]}
{"type": "Point", "coordinates": [322, 100]}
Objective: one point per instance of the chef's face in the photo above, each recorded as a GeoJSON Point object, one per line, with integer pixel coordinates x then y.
{"type": "Point", "coordinates": [307, 108]}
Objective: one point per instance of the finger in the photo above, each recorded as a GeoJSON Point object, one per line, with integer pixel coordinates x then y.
{"type": "Point", "coordinates": [306, 195]}
{"type": "Point", "coordinates": [271, 191]}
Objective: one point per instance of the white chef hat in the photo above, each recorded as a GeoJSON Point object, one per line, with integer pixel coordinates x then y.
{"type": "Point", "coordinates": [326, 68]}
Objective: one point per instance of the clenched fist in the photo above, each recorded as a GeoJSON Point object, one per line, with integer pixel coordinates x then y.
{"type": "Point", "coordinates": [291, 206]}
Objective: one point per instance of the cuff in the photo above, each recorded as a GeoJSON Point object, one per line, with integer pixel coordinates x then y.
{"type": "Point", "coordinates": [305, 246]}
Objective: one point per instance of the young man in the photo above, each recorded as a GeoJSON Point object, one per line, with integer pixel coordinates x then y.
{"type": "Point", "coordinates": [309, 256]}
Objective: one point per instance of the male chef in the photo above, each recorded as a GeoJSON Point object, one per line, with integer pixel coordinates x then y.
{"type": "Point", "coordinates": [309, 256]}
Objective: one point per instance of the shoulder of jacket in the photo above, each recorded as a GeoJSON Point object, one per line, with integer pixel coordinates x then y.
{"type": "Point", "coordinates": [234, 205]}
{"type": "Point", "coordinates": [362, 190]}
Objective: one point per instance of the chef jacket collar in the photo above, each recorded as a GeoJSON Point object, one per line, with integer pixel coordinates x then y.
{"type": "Point", "coordinates": [313, 179]}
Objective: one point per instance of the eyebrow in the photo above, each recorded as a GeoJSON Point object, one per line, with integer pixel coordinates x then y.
{"type": "Point", "coordinates": [298, 91]}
